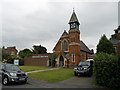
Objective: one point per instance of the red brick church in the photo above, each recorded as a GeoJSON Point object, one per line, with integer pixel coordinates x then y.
{"type": "Point", "coordinates": [70, 50]}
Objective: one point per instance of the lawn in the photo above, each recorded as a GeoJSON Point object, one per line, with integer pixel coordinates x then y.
{"type": "Point", "coordinates": [32, 68]}
{"type": "Point", "coordinates": [53, 76]}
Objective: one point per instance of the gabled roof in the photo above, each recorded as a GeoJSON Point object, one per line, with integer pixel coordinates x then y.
{"type": "Point", "coordinates": [73, 18]}
{"type": "Point", "coordinates": [84, 48]}
{"type": "Point", "coordinates": [64, 33]}
{"type": "Point", "coordinates": [115, 41]}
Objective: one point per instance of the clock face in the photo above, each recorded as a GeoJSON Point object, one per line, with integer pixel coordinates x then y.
{"type": "Point", "coordinates": [73, 25]}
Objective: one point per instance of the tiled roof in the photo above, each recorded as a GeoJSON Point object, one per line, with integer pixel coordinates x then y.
{"type": "Point", "coordinates": [73, 18]}
{"type": "Point", "coordinates": [64, 33]}
{"type": "Point", "coordinates": [84, 47]}
{"type": "Point", "coordinates": [115, 41]}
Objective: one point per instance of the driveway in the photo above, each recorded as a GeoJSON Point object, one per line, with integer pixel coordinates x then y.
{"type": "Point", "coordinates": [75, 82]}
{"type": "Point", "coordinates": [79, 82]}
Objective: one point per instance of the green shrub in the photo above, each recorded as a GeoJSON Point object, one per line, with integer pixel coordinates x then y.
{"type": "Point", "coordinates": [107, 70]}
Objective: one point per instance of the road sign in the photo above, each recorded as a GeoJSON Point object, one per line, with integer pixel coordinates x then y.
{"type": "Point", "coordinates": [16, 62]}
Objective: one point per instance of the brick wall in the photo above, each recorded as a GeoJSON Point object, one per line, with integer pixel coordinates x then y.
{"type": "Point", "coordinates": [74, 49]}
{"type": "Point", "coordinates": [37, 60]}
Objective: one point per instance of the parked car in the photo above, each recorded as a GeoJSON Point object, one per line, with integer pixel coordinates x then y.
{"type": "Point", "coordinates": [90, 60]}
{"type": "Point", "coordinates": [84, 68]}
{"type": "Point", "coordinates": [11, 73]}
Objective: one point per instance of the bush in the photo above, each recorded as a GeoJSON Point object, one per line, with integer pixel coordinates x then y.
{"type": "Point", "coordinates": [107, 70]}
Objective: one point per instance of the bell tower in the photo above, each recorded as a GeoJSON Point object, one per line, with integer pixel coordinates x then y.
{"type": "Point", "coordinates": [74, 40]}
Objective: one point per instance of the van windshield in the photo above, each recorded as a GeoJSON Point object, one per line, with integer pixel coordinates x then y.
{"type": "Point", "coordinates": [12, 67]}
{"type": "Point", "coordinates": [84, 63]}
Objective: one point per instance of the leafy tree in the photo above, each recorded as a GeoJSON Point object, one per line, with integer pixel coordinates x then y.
{"type": "Point", "coordinates": [25, 53]}
{"type": "Point", "coordinates": [39, 49]}
{"type": "Point", "coordinates": [52, 60]}
{"type": "Point", "coordinates": [7, 57]}
{"type": "Point", "coordinates": [105, 46]}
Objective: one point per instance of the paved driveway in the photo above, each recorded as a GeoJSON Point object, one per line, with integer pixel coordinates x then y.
{"type": "Point", "coordinates": [75, 82]}
{"type": "Point", "coordinates": [79, 82]}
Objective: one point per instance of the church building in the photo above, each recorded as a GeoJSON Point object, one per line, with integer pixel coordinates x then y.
{"type": "Point", "coordinates": [70, 50]}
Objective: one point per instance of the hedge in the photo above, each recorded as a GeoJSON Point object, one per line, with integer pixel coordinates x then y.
{"type": "Point", "coordinates": [107, 70]}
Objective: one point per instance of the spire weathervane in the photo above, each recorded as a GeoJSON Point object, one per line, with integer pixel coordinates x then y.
{"type": "Point", "coordinates": [73, 9]}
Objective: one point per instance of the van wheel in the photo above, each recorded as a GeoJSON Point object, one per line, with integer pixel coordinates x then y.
{"type": "Point", "coordinates": [89, 74]}
{"type": "Point", "coordinates": [25, 81]}
{"type": "Point", "coordinates": [5, 80]}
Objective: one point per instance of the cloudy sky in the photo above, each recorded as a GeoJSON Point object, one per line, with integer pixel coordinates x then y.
{"type": "Point", "coordinates": [32, 22]}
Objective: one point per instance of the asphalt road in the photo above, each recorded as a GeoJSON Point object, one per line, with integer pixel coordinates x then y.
{"type": "Point", "coordinates": [75, 82]}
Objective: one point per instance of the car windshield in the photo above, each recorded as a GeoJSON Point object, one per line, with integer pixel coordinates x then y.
{"type": "Point", "coordinates": [12, 67]}
{"type": "Point", "coordinates": [84, 63]}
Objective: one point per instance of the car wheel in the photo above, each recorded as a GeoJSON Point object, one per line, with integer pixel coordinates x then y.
{"type": "Point", "coordinates": [5, 80]}
{"type": "Point", "coordinates": [75, 74]}
{"type": "Point", "coordinates": [89, 74]}
{"type": "Point", "coordinates": [25, 81]}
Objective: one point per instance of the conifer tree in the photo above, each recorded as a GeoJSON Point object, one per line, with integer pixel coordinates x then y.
{"type": "Point", "coordinates": [105, 46]}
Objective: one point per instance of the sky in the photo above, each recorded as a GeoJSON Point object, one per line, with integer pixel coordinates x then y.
{"type": "Point", "coordinates": [25, 23]}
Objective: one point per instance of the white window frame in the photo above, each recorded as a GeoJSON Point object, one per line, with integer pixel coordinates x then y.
{"type": "Point", "coordinates": [73, 57]}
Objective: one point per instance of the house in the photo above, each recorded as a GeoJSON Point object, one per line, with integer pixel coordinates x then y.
{"type": "Point", "coordinates": [10, 50]}
{"type": "Point", "coordinates": [70, 50]}
{"type": "Point", "coordinates": [115, 40]}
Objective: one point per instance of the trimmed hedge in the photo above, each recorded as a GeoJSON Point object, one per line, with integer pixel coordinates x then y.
{"type": "Point", "coordinates": [107, 70]}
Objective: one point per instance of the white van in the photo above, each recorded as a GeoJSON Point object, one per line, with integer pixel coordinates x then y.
{"type": "Point", "coordinates": [89, 60]}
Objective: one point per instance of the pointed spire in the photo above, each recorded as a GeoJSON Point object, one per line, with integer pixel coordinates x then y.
{"type": "Point", "coordinates": [73, 18]}
{"type": "Point", "coordinates": [73, 10]}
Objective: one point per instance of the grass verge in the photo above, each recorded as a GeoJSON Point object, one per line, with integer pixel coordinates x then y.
{"type": "Point", "coordinates": [53, 76]}
{"type": "Point", "coordinates": [32, 68]}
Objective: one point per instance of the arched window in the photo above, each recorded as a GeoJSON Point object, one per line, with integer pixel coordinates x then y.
{"type": "Point", "coordinates": [64, 46]}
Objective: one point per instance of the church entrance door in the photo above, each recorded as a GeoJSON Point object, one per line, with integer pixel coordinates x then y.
{"type": "Point", "coordinates": [61, 61]}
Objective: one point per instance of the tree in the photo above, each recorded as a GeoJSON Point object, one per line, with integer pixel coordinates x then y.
{"type": "Point", "coordinates": [105, 46]}
{"type": "Point", "coordinates": [39, 49]}
{"type": "Point", "coordinates": [7, 57]}
{"type": "Point", "coordinates": [52, 60]}
{"type": "Point", "coordinates": [25, 53]}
